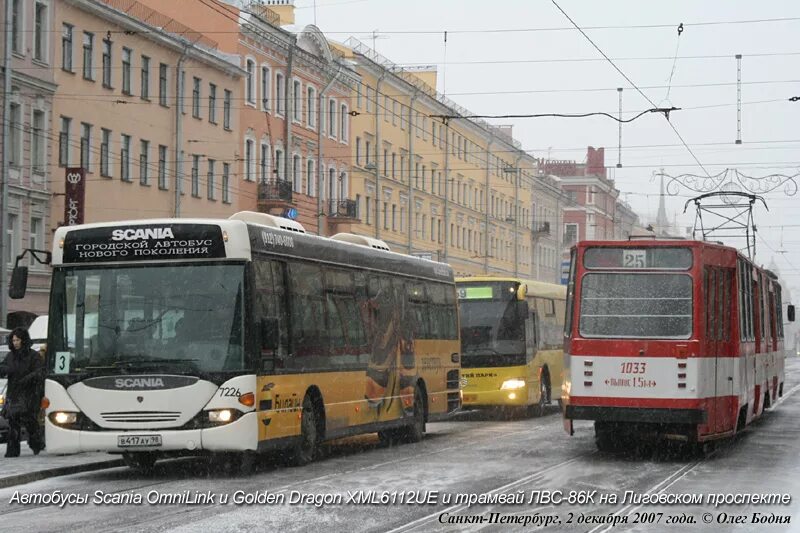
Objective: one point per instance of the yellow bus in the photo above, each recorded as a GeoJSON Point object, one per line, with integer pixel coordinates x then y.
{"type": "Point", "coordinates": [511, 342]}
{"type": "Point", "coordinates": [205, 336]}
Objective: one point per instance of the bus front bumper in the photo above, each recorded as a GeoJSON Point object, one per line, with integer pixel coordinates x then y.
{"type": "Point", "coordinates": [240, 435]}
{"type": "Point", "coordinates": [496, 398]}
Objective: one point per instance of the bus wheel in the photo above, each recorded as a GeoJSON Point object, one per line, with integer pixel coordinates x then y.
{"type": "Point", "coordinates": [538, 409]}
{"type": "Point", "coordinates": [141, 462]}
{"type": "Point", "coordinates": [306, 449]}
{"type": "Point", "coordinates": [416, 430]}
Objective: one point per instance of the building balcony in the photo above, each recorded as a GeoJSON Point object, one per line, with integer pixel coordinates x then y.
{"type": "Point", "coordinates": [542, 229]}
{"type": "Point", "coordinates": [342, 211]}
{"type": "Point", "coordinates": [275, 193]}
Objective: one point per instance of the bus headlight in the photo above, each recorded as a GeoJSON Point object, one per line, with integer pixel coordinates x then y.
{"type": "Point", "coordinates": [63, 418]}
{"type": "Point", "coordinates": [222, 416]}
{"type": "Point", "coordinates": [513, 384]}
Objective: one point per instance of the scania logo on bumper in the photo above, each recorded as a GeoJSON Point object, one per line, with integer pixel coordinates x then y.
{"type": "Point", "coordinates": [143, 382]}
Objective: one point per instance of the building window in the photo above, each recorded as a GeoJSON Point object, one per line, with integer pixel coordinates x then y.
{"type": "Point", "coordinates": [226, 183]}
{"type": "Point", "coordinates": [249, 87]}
{"type": "Point", "coordinates": [344, 130]}
{"type": "Point", "coordinates": [162, 84]}
{"type": "Point", "coordinates": [35, 238]}
{"type": "Point", "coordinates": [12, 238]}
{"type": "Point", "coordinates": [40, 32]}
{"type": "Point", "coordinates": [296, 171]}
{"type": "Point", "coordinates": [570, 234]}
{"type": "Point", "coordinates": [367, 151]}
{"type": "Point", "coordinates": [107, 44]}
{"type": "Point", "coordinates": [126, 70]}
{"type": "Point", "coordinates": [311, 107]}
{"type": "Point", "coordinates": [16, 20]}
{"type": "Point", "coordinates": [264, 169]}
{"type": "Point", "coordinates": [226, 110]}
{"type": "Point", "coordinates": [88, 56]}
{"type": "Point", "coordinates": [15, 120]}
{"type": "Point", "coordinates": [38, 148]}
{"type": "Point", "coordinates": [332, 117]}
{"type": "Point", "coordinates": [196, 97]}
{"type": "Point", "coordinates": [358, 95]}
{"type": "Point", "coordinates": [66, 47]}
{"type": "Point", "coordinates": [212, 103]}
{"type": "Point", "coordinates": [162, 167]}
{"type": "Point", "coordinates": [248, 160]}
{"type": "Point", "coordinates": [367, 207]}
{"type": "Point", "coordinates": [394, 217]}
{"type": "Point", "coordinates": [195, 176]}
{"type": "Point", "coordinates": [385, 162]}
{"type": "Point", "coordinates": [144, 162]}
{"type": "Point", "coordinates": [358, 151]}
{"type": "Point", "coordinates": [145, 85]}
{"type": "Point", "coordinates": [125, 158]}
{"type": "Point", "coordinates": [86, 145]}
{"type": "Point", "coordinates": [210, 193]}
{"type": "Point", "coordinates": [105, 153]}
{"type": "Point", "coordinates": [63, 142]}
{"type": "Point", "coordinates": [590, 199]}
{"type": "Point", "coordinates": [279, 164]}
{"type": "Point", "coordinates": [265, 88]}
{"type": "Point", "coordinates": [280, 93]}
{"type": "Point", "coordinates": [297, 100]}
{"type": "Point", "coordinates": [311, 190]}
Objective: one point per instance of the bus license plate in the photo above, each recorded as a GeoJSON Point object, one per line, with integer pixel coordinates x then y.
{"type": "Point", "coordinates": [134, 441]}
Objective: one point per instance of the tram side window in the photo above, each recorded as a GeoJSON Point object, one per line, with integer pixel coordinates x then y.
{"type": "Point", "coordinates": [722, 304]}
{"type": "Point", "coordinates": [779, 310]}
{"type": "Point", "coordinates": [307, 310]}
{"type": "Point", "coordinates": [270, 311]}
{"type": "Point", "coordinates": [740, 295]}
{"type": "Point", "coordinates": [570, 296]}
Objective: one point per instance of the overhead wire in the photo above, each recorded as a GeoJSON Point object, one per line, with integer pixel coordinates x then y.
{"type": "Point", "coordinates": [631, 82]}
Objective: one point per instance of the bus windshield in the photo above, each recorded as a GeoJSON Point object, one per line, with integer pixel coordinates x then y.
{"type": "Point", "coordinates": [185, 319]}
{"type": "Point", "coordinates": [492, 333]}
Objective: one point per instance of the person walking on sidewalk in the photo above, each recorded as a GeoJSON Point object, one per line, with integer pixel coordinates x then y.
{"type": "Point", "coordinates": [25, 371]}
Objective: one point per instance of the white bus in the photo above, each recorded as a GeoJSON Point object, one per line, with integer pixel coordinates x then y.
{"type": "Point", "coordinates": [190, 336]}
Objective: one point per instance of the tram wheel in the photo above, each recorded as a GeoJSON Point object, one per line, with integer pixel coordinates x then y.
{"type": "Point", "coordinates": [143, 462]}
{"type": "Point", "coordinates": [306, 449]}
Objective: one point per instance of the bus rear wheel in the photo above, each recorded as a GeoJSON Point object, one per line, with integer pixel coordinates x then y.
{"type": "Point", "coordinates": [306, 449]}
{"type": "Point", "coordinates": [416, 430]}
{"type": "Point", "coordinates": [143, 462]}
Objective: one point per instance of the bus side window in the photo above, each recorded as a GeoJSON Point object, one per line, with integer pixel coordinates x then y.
{"type": "Point", "coordinates": [532, 335]}
{"type": "Point", "coordinates": [270, 312]}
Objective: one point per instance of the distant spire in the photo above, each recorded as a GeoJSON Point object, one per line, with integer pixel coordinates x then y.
{"type": "Point", "coordinates": [662, 222]}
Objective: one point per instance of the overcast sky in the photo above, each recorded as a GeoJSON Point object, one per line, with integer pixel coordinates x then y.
{"type": "Point", "coordinates": [559, 86]}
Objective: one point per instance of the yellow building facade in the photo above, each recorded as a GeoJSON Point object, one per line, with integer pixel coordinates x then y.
{"type": "Point", "coordinates": [431, 183]}
{"type": "Point", "coordinates": [142, 109]}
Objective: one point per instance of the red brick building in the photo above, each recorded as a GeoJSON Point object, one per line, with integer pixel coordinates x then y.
{"type": "Point", "coordinates": [591, 197]}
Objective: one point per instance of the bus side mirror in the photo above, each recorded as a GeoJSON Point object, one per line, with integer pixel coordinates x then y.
{"type": "Point", "coordinates": [790, 313]}
{"type": "Point", "coordinates": [522, 309]}
{"type": "Point", "coordinates": [269, 333]}
{"type": "Point", "coordinates": [19, 282]}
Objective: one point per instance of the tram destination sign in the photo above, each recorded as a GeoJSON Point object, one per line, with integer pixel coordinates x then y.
{"type": "Point", "coordinates": [143, 242]}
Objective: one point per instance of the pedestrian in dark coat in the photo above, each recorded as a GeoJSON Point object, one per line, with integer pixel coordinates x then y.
{"type": "Point", "coordinates": [25, 372]}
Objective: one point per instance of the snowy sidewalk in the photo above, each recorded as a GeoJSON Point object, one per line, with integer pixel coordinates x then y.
{"type": "Point", "coordinates": [28, 467]}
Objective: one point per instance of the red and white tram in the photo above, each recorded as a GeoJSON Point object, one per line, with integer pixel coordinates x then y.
{"type": "Point", "coordinates": [679, 340]}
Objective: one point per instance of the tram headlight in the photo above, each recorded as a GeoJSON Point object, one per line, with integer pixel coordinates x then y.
{"type": "Point", "coordinates": [63, 418]}
{"type": "Point", "coordinates": [221, 416]}
{"type": "Point", "coordinates": [513, 384]}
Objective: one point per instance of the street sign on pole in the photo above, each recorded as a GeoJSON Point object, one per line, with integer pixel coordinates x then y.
{"type": "Point", "coordinates": [565, 272]}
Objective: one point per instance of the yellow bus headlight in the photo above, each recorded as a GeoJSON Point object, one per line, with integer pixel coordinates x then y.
{"type": "Point", "coordinates": [513, 384]}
